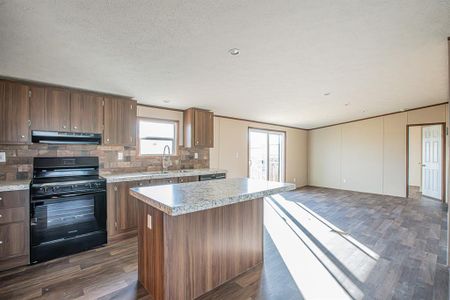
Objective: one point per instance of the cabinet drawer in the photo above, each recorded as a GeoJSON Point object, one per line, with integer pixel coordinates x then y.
{"type": "Point", "coordinates": [9, 215]}
{"type": "Point", "coordinates": [14, 199]}
{"type": "Point", "coordinates": [13, 239]}
{"type": "Point", "coordinates": [188, 179]}
{"type": "Point", "coordinates": [163, 181]}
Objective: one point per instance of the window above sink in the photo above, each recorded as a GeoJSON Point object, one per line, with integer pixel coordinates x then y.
{"type": "Point", "coordinates": [155, 134]}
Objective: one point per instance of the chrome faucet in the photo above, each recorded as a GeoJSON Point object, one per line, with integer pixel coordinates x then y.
{"type": "Point", "coordinates": [165, 162]}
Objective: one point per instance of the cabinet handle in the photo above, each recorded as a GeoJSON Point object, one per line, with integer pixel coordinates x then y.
{"type": "Point", "coordinates": [29, 123]}
{"type": "Point", "coordinates": [115, 225]}
{"type": "Point", "coordinates": [107, 140]}
{"type": "Point", "coordinates": [196, 142]}
{"type": "Point", "coordinates": [141, 184]}
{"type": "Point", "coordinates": [1, 216]}
{"type": "Point", "coordinates": [75, 127]}
{"type": "Point", "coordinates": [22, 136]}
{"type": "Point", "coordinates": [115, 189]}
{"type": "Point", "coordinates": [1, 198]}
{"type": "Point", "coordinates": [1, 242]}
{"type": "Point", "coordinates": [64, 126]}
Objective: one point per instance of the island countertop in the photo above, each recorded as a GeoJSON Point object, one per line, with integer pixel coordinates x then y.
{"type": "Point", "coordinates": [179, 199]}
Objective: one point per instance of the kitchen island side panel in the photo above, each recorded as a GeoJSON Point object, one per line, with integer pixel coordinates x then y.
{"type": "Point", "coordinates": [201, 250]}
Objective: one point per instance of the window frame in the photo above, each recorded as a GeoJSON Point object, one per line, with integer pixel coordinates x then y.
{"type": "Point", "coordinates": [157, 120]}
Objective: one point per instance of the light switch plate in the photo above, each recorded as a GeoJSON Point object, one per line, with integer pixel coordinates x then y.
{"type": "Point", "coordinates": [2, 157]}
{"type": "Point", "coordinates": [149, 221]}
{"type": "Point", "coordinates": [120, 155]}
{"type": "Point", "coordinates": [195, 155]}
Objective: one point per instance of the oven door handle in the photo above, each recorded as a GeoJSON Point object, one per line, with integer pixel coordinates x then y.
{"type": "Point", "coordinates": [67, 195]}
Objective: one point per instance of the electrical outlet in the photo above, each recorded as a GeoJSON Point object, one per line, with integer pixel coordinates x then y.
{"type": "Point", "coordinates": [149, 221]}
{"type": "Point", "coordinates": [195, 155]}
{"type": "Point", "coordinates": [120, 155]}
{"type": "Point", "coordinates": [2, 157]}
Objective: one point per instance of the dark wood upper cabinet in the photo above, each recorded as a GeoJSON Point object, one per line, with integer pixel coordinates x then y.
{"type": "Point", "coordinates": [50, 109]}
{"type": "Point", "coordinates": [120, 121]}
{"type": "Point", "coordinates": [14, 113]}
{"type": "Point", "coordinates": [198, 128]}
{"type": "Point", "coordinates": [86, 112]}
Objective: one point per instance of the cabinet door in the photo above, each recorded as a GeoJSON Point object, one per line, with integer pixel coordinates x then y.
{"type": "Point", "coordinates": [86, 112]}
{"type": "Point", "coordinates": [120, 121]}
{"type": "Point", "coordinates": [209, 130]}
{"type": "Point", "coordinates": [13, 241]}
{"type": "Point", "coordinates": [50, 109]}
{"type": "Point", "coordinates": [14, 113]}
{"type": "Point", "coordinates": [126, 207]}
{"type": "Point", "coordinates": [200, 118]}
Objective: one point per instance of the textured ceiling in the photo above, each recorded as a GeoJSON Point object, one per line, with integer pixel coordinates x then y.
{"type": "Point", "coordinates": [376, 56]}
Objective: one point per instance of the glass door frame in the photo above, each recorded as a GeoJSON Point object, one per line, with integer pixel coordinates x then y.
{"type": "Point", "coordinates": [283, 151]}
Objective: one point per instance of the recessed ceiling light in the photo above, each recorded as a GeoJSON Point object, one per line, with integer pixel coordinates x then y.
{"type": "Point", "coordinates": [234, 51]}
{"type": "Point", "coordinates": [166, 101]}
{"type": "Point", "coordinates": [347, 104]}
{"type": "Point", "coordinates": [327, 94]}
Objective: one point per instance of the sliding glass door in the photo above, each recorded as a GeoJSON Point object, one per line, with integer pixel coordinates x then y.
{"type": "Point", "coordinates": [266, 154]}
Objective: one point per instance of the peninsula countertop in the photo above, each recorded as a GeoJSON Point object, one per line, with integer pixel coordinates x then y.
{"type": "Point", "coordinates": [120, 177]}
{"type": "Point", "coordinates": [179, 199]}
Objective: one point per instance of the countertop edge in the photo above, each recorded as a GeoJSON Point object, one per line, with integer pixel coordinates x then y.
{"type": "Point", "coordinates": [177, 211]}
{"type": "Point", "coordinates": [11, 186]}
{"type": "Point", "coordinates": [111, 178]}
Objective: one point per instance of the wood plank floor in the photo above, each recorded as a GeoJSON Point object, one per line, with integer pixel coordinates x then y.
{"type": "Point", "coordinates": [319, 243]}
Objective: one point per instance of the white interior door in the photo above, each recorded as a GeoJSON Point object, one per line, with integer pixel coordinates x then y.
{"type": "Point", "coordinates": [432, 161]}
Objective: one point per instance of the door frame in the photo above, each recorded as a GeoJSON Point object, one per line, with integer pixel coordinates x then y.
{"type": "Point", "coordinates": [284, 151]}
{"type": "Point", "coordinates": [443, 161]}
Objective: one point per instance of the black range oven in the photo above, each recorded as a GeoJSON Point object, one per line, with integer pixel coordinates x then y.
{"type": "Point", "coordinates": [67, 207]}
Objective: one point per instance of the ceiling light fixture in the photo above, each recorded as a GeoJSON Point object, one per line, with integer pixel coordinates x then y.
{"type": "Point", "coordinates": [234, 51]}
{"type": "Point", "coordinates": [327, 94]}
{"type": "Point", "coordinates": [347, 104]}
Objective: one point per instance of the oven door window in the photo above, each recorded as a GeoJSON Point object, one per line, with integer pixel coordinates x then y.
{"type": "Point", "coordinates": [55, 219]}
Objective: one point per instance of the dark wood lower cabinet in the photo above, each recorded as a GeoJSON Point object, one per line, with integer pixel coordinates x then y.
{"type": "Point", "coordinates": [122, 208]}
{"type": "Point", "coordinates": [14, 229]}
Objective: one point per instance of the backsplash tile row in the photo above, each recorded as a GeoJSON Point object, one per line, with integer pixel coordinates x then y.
{"type": "Point", "coordinates": [19, 158]}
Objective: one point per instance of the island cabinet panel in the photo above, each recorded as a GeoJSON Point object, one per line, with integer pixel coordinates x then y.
{"type": "Point", "coordinates": [198, 128]}
{"type": "Point", "coordinates": [14, 113]}
{"type": "Point", "coordinates": [185, 256]}
{"type": "Point", "coordinates": [86, 112]}
{"type": "Point", "coordinates": [14, 229]}
{"type": "Point", "coordinates": [120, 121]}
{"type": "Point", "coordinates": [50, 109]}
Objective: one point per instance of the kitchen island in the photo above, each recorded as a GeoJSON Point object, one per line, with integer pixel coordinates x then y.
{"type": "Point", "coordinates": [193, 237]}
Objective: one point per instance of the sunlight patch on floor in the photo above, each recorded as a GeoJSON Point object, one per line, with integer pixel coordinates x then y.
{"type": "Point", "coordinates": [323, 261]}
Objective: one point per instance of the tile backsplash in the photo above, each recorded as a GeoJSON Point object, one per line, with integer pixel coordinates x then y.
{"type": "Point", "coordinates": [19, 158]}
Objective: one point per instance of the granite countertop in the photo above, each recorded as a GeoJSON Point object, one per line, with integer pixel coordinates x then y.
{"type": "Point", "coordinates": [16, 185]}
{"type": "Point", "coordinates": [120, 177]}
{"type": "Point", "coordinates": [179, 199]}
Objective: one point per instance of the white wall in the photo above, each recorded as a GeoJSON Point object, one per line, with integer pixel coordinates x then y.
{"type": "Point", "coordinates": [368, 155]}
{"type": "Point", "coordinates": [415, 156]}
{"type": "Point", "coordinates": [230, 150]}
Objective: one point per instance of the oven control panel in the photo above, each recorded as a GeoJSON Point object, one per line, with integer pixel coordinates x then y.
{"type": "Point", "coordinates": [62, 188]}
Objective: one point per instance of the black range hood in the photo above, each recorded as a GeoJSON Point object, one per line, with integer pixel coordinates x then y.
{"type": "Point", "coordinates": [65, 138]}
